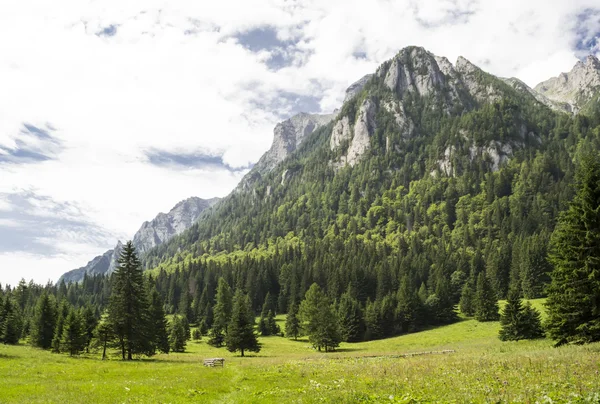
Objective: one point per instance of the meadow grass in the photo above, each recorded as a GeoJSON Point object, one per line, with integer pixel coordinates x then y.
{"type": "Point", "coordinates": [482, 369]}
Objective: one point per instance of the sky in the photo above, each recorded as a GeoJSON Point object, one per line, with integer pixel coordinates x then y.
{"type": "Point", "coordinates": [113, 110]}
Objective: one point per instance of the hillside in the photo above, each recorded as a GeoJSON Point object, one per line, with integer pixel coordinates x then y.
{"type": "Point", "coordinates": [429, 174]}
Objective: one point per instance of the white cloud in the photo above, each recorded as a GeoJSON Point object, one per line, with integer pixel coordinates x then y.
{"type": "Point", "coordinates": [173, 77]}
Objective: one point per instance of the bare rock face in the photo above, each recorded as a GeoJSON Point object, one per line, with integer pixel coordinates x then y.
{"type": "Point", "coordinates": [341, 132]}
{"type": "Point", "coordinates": [166, 225]}
{"type": "Point", "coordinates": [363, 129]}
{"type": "Point", "coordinates": [405, 124]}
{"type": "Point", "coordinates": [358, 135]}
{"type": "Point", "coordinates": [577, 87]}
{"type": "Point", "coordinates": [356, 87]}
{"type": "Point", "coordinates": [287, 137]}
{"type": "Point", "coordinates": [161, 229]}
{"type": "Point", "coordinates": [555, 105]}
{"type": "Point", "coordinates": [414, 70]}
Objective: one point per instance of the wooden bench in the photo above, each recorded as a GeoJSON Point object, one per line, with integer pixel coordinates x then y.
{"type": "Point", "coordinates": [212, 362]}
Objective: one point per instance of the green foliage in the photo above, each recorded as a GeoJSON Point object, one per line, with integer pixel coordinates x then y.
{"type": "Point", "coordinates": [223, 306]}
{"type": "Point", "coordinates": [467, 300]}
{"type": "Point", "coordinates": [10, 323]}
{"type": "Point", "coordinates": [44, 322]}
{"type": "Point", "coordinates": [158, 323]}
{"type": "Point", "coordinates": [74, 335]}
{"type": "Point", "coordinates": [128, 308]}
{"type": "Point", "coordinates": [292, 322]}
{"type": "Point", "coordinates": [318, 320]}
{"type": "Point", "coordinates": [574, 294]}
{"type": "Point", "coordinates": [350, 319]}
{"type": "Point", "coordinates": [519, 321]}
{"type": "Point", "coordinates": [486, 302]}
{"type": "Point", "coordinates": [240, 334]}
{"type": "Point", "coordinates": [177, 335]}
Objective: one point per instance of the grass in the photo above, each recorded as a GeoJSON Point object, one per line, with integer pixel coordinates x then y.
{"type": "Point", "coordinates": [483, 369]}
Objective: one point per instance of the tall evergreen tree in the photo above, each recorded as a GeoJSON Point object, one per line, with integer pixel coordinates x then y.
{"type": "Point", "coordinates": [292, 322]}
{"type": "Point", "coordinates": [11, 323]}
{"type": "Point", "coordinates": [89, 323]}
{"type": "Point", "coordinates": [319, 320]}
{"type": "Point", "coordinates": [177, 334]}
{"type": "Point", "coordinates": [128, 308]}
{"type": "Point", "coordinates": [350, 319]}
{"type": "Point", "coordinates": [44, 322]}
{"type": "Point", "coordinates": [63, 312]}
{"type": "Point", "coordinates": [73, 337]}
{"type": "Point", "coordinates": [467, 300]}
{"type": "Point", "coordinates": [574, 293]}
{"type": "Point", "coordinates": [104, 334]}
{"type": "Point", "coordinates": [486, 303]}
{"type": "Point", "coordinates": [223, 306]}
{"type": "Point", "coordinates": [158, 323]}
{"type": "Point", "coordinates": [240, 334]}
{"type": "Point", "coordinates": [511, 317]}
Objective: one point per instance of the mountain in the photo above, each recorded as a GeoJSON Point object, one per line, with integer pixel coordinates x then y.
{"type": "Point", "coordinates": [578, 88]}
{"type": "Point", "coordinates": [430, 175]}
{"type": "Point", "coordinates": [151, 234]}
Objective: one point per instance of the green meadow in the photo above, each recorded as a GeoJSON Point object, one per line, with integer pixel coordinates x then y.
{"type": "Point", "coordinates": [482, 369]}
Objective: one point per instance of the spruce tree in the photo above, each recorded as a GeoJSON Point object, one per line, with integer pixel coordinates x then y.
{"type": "Point", "coordinates": [531, 321]}
{"type": "Point", "coordinates": [467, 300]}
{"type": "Point", "coordinates": [350, 319]}
{"type": "Point", "coordinates": [44, 322]}
{"type": "Point", "coordinates": [511, 317]}
{"type": "Point", "coordinates": [240, 332]}
{"type": "Point", "coordinates": [73, 337]}
{"type": "Point", "coordinates": [292, 322]}
{"type": "Point", "coordinates": [63, 312]}
{"type": "Point", "coordinates": [10, 333]}
{"type": "Point", "coordinates": [486, 303]}
{"type": "Point", "coordinates": [128, 307]}
{"type": "Point", "coordinates": [319, 320]}
{"type": "Point", "coordinates": [104, 334]}
{"type": "Point", "coordinates": [574, 294]}
{"type": "Point", "coordinates": [89, 323]}
{"type": "Point", "coordinates": [158, 323]}
{"type": "Point", "coordinates": [223, 306]}
{"type": "Point", "coordinates": [177, 334]}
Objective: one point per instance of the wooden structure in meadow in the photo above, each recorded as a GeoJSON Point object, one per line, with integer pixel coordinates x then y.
{"type": "Point", "coordinates": [212, 362]}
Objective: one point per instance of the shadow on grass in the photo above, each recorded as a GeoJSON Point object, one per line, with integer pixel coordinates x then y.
{"type": "Point", "coordinates": [5, 356]}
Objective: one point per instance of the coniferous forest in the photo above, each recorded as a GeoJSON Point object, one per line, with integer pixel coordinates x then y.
{"type": "Point", "coordinates": [424, 228]}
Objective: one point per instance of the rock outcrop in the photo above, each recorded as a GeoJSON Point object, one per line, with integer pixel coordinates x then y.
{"type": "Point", "coordinates": [576, 88]}
{"type": "Point", "coordinates": [153, 233]}
{"type": "Point", "coordinates": [356, 87]}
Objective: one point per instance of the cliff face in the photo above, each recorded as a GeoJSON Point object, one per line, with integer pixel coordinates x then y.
{"type": "Point", "coordinates": [153, 233]}
{"type": "Point", "coordinates": [576, 88]}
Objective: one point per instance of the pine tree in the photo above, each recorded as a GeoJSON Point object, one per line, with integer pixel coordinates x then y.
{"type": "Point", "coordinates": [240, 334]}
{"type": "Point", "coordinates": [128, 308]}
{"type": "Point", "coordinates": [177, 337]}
{"type": "Point", "coordinates": [44, 322]}
{"type": "Point", "coordinates": [272, 324]}
{"type": "Point", "coordinates": [350, 319]}
{"type": "Point", "coordinates": [223, 306]}
{"type": "Point", "coordinates": [73, 336]}
{"type": "Point", "coordinates": [202, 328]}
{"type": "Point", "coordinates": [158, 323]}
{"type": "Point", "coordinates": [510, 319]}
{"type": "Point", "coordinates": [319, 320]}
{"type": "Point", "coordinates": [292, 323]}
{"type": "Point", "coordinates": [89, 323]}
{"type": "Point", "coordinates": [574, 294]}
{"type": "Point", "coordinates": [63, 312]}
{"type": "Point", "coordinates": [531, 320]}
{"type": "Point", "coordinates": [104, 334]}
{"type": "Point", "coordinates": [486, 303]}
{"type": "Point", "coordinates": [11, 323]}
{"type": "Point", "coordinates": [467, 300]}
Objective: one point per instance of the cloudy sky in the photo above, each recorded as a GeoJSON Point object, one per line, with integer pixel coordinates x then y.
{"type": "Point", "coordinates": [114, 110]}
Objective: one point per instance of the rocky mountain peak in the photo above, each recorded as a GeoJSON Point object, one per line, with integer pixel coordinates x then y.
{"type": "Point", "coordinates": [576, 87]}
{"type": "Point", "coordinates": [151, 234]}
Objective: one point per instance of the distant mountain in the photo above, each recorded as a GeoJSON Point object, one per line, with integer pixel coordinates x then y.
{"type": "Point", "coordinates": [153, 233]}
{"type": "Point", "coordinates": [578, 88]}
